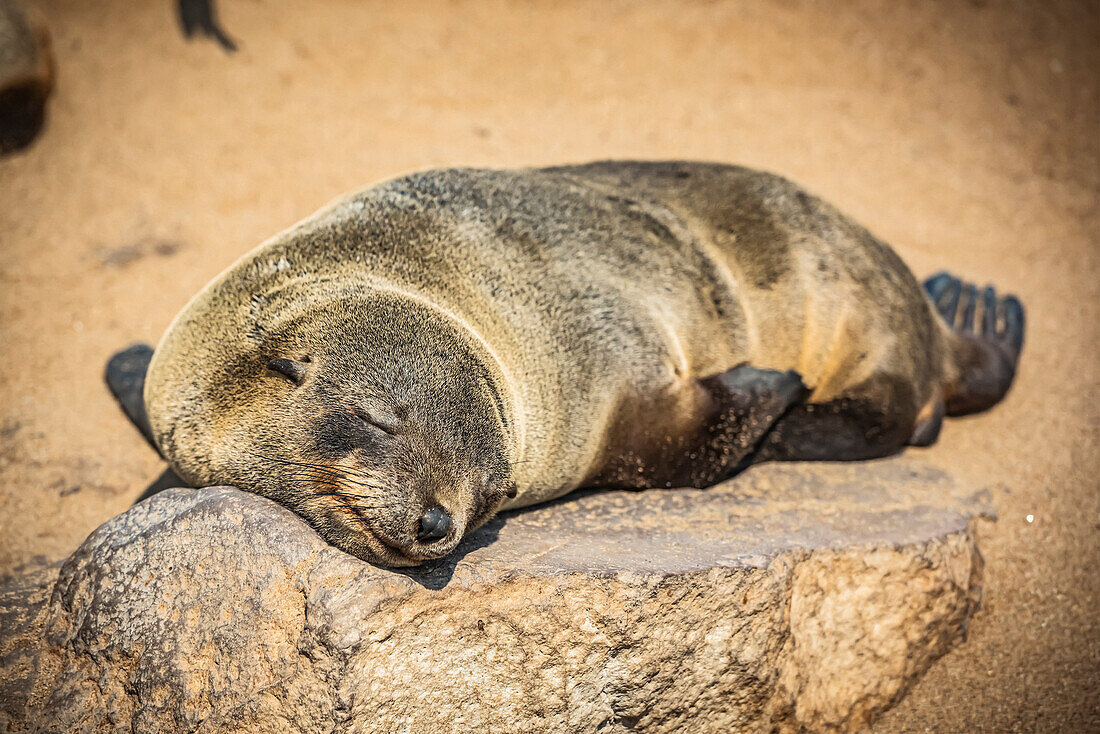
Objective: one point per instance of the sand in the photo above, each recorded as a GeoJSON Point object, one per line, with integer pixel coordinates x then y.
{"type": "Point", "coordinates": [967, 135]}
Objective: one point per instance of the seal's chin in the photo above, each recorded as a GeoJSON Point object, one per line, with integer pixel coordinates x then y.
{"type": "Point", "coordinates": [416, 553]}
{"type": "Point", "coordinates": [363, 540]}
{"type": "Point", "coordinates": [385, 554]}
{"type": "Point", "coordinates": [355, 529]}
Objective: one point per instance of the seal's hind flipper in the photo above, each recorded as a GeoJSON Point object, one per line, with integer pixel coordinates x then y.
{"type": "Point", "coordinates": [986, 356]}
{"type": "Point", "coordinates": [749, 401]}
{"type": "Point", "coordinates": [126, 380]}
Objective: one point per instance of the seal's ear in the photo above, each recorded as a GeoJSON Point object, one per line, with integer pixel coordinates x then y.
{"type": "Point", "coordinates": [288, 368]}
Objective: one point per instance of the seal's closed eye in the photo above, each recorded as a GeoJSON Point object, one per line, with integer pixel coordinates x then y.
{"type": "Point", "coordinates": [370, 420]}
{"type": "Point", "coordinates": [288, 368]}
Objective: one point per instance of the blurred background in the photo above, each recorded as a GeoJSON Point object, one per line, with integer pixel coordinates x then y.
{"type": "Point", "coordinates": [967, 135]}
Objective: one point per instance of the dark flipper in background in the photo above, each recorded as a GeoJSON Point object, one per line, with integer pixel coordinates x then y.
{"type": "Point", "coordinates": [990, 331]}
{"type": "Point", "coordinates": [167, 480]}
{"type": "Point", "coordinates": [198, 16]}
{"type": "Point", "coordinates": [126, 380]}
{"type": "Point", "coordinates": [26, 76]}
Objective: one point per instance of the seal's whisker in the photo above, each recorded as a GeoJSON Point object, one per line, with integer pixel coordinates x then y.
{"type": "Point", "coordinates": [288, 461]}
{"type": "Point", "coordinates": [306, 465]}
{"type": "Point", "coordinates": [333, 489]}
{"type": "Point", "coordinates": [338, 480]}
{"type": "Point", "coordinates": [335, 482]}
{"type": "Point", "coordinates": [332, 474]}
{"type": "Point", "coordinates": [338, 495]}
{"type": "Point", "coordinates": [355, 472]}
{"type": "Point", "coordinates": [335, 473]}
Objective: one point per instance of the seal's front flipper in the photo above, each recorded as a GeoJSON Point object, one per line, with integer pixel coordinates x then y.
{"type": "Point", "coordinates": [755, 395]}
{"type": "Point", "coordinates": [126, 380]}
{"type": "Point", "coordinates": [747, 403]}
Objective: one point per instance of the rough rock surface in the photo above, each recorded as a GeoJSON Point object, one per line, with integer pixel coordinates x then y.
{"type": "Point", "coordinates": [793, 597]}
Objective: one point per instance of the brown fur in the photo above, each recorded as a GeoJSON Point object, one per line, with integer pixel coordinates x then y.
{"type": "Point", "coordinates": [537, 329]}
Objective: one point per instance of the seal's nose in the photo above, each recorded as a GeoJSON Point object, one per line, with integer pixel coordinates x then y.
{"type": "Point", "coordinates": [435, 524]}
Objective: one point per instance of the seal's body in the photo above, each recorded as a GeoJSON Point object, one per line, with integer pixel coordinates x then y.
{"type": "Point", "coordinates": [460, 341]}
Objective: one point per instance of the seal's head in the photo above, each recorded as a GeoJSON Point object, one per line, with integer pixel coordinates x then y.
{"type": "Point", "coordinates": [373, 418]}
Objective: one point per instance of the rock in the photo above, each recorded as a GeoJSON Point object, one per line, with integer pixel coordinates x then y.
{"type": "Point", "coordinates": [794, 596]}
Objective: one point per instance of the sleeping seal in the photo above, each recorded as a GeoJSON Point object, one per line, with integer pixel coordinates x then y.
{"type": "Point", "coordinates": [415, 357]}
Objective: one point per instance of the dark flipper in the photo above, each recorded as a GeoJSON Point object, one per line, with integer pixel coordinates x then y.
{"type": "Point", "coordinates": [198, 16]}
{"type": "Point", "coordinates": [167, 480]}
{"type": "Point", "coordinates": [986, 356]}
{"type": "Point", "coordinates": [928, 427]}
{"type": "Point", "coordinates": [126, 380]}
{"type": "Point", "coordinates": [871, 420]}
{"type": "Point", "coordinates": [748, 402]}
{"type": "Point", "coordinates": [22, 114]}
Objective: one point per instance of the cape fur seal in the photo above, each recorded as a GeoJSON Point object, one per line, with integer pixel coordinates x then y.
{"type": "Point", "coordinates": [415, 357]}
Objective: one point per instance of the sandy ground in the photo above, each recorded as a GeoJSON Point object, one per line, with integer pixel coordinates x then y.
{"type": "Point", "coordinates": [968, 135]}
